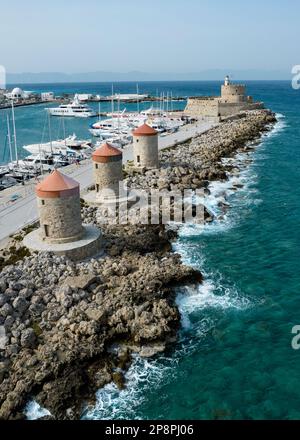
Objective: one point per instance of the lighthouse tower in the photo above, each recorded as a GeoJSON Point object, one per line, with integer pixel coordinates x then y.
{"type": "Point", "coordinates": [145, 147]}
{"type": "Point", "coordinates": [233, 93]}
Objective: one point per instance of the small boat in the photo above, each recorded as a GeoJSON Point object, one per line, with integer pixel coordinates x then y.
{"type": "Point", "coordinates": [33, 163]}
{"type": "Point", "coordinates": [103, 134]}
{"type": "Point", "coordinates": [59, 145]}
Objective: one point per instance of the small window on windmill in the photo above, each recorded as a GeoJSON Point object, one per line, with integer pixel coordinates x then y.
{"type": "Point", "coordinates": [138, 159]}
{"type": "Point", "coordinates": [46, 230]}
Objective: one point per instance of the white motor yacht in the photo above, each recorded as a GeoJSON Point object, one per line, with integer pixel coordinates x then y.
{"type": "Point", "coordinates": [59, 145]}
{"type": "Point", "coordinates": [75, 109]}
{"type": "Point", "coordinates": [33, 163]}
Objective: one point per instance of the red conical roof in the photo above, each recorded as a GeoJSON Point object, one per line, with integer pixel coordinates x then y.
{"type": "Point", "coordinates": [57, 185]}
{"type": "Point", "coordinates": [107, 150]}
{"type": "Point", "coordinates": [144, 130]}
{"type": "Point", "coordinates": [107, 153]}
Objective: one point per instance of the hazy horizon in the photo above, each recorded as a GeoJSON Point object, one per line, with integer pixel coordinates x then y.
{"type": "Point", "coordinates": [157, 38]}
{"type": "Point", "coordinates": [96, 77]}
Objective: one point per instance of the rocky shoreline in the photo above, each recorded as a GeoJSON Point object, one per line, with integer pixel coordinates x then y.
{"type": "Point", "coordinates": [70, 328]}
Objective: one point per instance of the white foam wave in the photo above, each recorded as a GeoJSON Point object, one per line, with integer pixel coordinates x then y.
{"type": "Point", "coordinates": [209, 295]}
{"type": "Point", "coordinates": [113, 403]}
{"type": "Point", "coordinates": [33, 411]}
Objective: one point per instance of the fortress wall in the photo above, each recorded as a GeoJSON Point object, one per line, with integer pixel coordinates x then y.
{"type": "Point", "coordinates": [205, 107]}
{"type": "Point", "coordinates": [200, 107]}
{"type": "Point", "coordinates": [229, 109]}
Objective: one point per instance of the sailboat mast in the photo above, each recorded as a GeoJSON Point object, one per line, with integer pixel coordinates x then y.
{"type": "Point", "coordinates": [137, 98]}
{"type": "Point", "coordinates": [50, 135]}
{"type": "Point", "coordinates": [9, 138]}
{"type": "Point", "coordinates": [14, 131]}
{"type": "Point", "coordinates": [64, 128]}
{"type": "Point", "coordinates": [112, 99]}
{"type": "Point", "coordinates": [119, 115]}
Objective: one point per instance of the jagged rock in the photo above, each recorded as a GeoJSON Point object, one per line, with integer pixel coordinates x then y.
{"type": "Point", "coordinates": [3, 299]}
{"type": "Point", "coordinates": [25, 293]}
{"type": "Point", "coordinates": [28, 338]}
{"type": "Point", "coordinates": [95, 314]}
{"type": "Point", "coordinates": [3, 339]}
{"type": "Point", "coordinates": [82, 281]}
{"type": "Point", "coordinates": [6, 310]}
{"type": "Point", "coordinates": [20, 304]}
{"type": "Point", "coordinates": [3, 286]}
{"type": "Point", "coordinates": [152, 349]}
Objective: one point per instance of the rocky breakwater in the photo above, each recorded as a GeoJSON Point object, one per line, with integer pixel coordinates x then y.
{"type": "Point", "coordinates": [67, 329]}
{"type": "Point", "coordinates": [195, 163]}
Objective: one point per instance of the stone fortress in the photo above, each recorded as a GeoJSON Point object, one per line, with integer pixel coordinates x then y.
{"type": "Point", "coordinates": [233, 99]}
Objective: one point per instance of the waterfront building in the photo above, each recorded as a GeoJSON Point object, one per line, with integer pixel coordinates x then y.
{"type": "Point", "coordinates": [16, 94]}
{"type": "Point", "coordinates": [47, 96]}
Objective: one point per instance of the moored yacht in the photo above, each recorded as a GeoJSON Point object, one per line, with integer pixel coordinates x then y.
{"type": "Point", "coordinates": [75, 109]}
{"type": "Point", "coordinates": [59, 145]}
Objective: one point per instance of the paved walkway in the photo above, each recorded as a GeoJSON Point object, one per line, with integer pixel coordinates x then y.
{"type": "Point", "coordinates": [18, 204]}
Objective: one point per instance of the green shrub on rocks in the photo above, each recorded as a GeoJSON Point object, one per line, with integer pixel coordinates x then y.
{"type": "Point", "coordinates": [15, 255]}
{"type": "Point", "coordinates": [29, 229]}
{"type": "Point", "coordinates": [37, 329]}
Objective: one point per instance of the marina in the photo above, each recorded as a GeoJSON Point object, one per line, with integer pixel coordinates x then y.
{"type": "Point", "coordinates": [149, 216]}
{"type": "Point", "coordinates": [115, 125]}
{"type": "Point", "coordinates": [17, 203]}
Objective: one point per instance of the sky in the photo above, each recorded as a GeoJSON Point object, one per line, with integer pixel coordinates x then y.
{"type": "Point", "coordinates": [73, 36]}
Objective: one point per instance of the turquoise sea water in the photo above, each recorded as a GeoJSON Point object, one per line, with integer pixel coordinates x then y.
{"type": "Point", "coordinates": [234, 358]}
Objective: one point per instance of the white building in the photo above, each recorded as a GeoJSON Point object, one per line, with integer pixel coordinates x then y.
{"type": "Point", "coordinates": [16, 93]}
{"type": "Point", "coordinates": [47, 96]}
{"type": "Point", "coordinates": [129, 97]}
{"type": "Point", "coordinates": [84, 97]}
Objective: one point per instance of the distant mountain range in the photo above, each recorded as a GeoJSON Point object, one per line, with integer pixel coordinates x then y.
{"type": "Point", "coordinates": [214, 75]}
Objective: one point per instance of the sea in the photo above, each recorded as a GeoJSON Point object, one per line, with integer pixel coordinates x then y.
{"type": "Point", "coordinates": [233, 358]}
